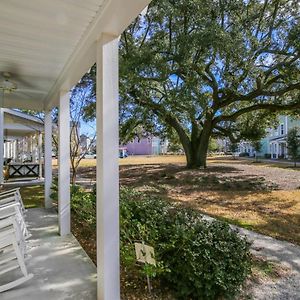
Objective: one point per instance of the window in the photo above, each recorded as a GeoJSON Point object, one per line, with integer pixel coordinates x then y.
{"type": "Point", "coordinates": [281, 129]}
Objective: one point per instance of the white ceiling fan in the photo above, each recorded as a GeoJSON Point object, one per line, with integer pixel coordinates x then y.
{"type": "Point", "coordinates": [23, 89]}
{"type": "Point", "coordinates": [6, 85]}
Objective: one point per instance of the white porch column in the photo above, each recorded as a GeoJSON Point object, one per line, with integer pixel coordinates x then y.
{"type": "Point", "coordinates": [9, 149]}
{"type": "Point", "coordinates": [31, 147]}
{"type": "Point", "coordinates": [48, 159]}
{"type": "Point", "coordinates": [4, 147]}
{"type": "Point", "coordinates": [11, 152]}
{"type": "Point", "coordinates": [40, 154]}
{"type": "Point", "coordinates": [108, 261]}
{"type": "Point", "coordinates": [64, 164]}
{"type": "Point", "coordinates": [1, 144]}
{"type": "Point", "coordinates": [16, 150]}
{"type": "Point", "coordinates": [13, 149]}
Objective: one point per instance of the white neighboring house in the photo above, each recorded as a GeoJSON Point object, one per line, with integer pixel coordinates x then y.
{"type": "Point", "coordinates": [278, 137]}
{"type": "Point", "coordinates": [246, 147]}
{"type": "Point", "coordinates": [274, 145]}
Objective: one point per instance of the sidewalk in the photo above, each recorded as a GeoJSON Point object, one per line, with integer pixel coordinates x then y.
{"type": "Point", "coordinates": [61, 268]}
{"type": "Point", "coordinates": [287, 163]}
{"type": "Point", "coordinates": [285, 253]}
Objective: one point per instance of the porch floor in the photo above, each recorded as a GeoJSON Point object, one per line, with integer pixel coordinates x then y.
{"type": "Point", "coordinates": [24, 181]}
{"type": "Point", "coordinates": [61, 268]}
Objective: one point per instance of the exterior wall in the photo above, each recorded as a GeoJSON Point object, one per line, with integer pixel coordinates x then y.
{"type": "Point", "coordinates": [245, 147]}
{"type": "Point", "coordinates": [147, 146]}
{"type": "Point", "coordinates": [278, 136]}
{"type": "Point", "coordinates": [140, 147]}
{"type": "Point", "coordinates": [274, 144]}
{"type": "Point", "coordinates": [264, 146]}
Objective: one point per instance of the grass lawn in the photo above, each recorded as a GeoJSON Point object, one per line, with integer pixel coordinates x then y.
{"type": "Point", "coordinates": [260, 196]}
{"type": "Point", "coordinates": [255, 196]}
{"type": "Point", "coordinates": [33, 196]}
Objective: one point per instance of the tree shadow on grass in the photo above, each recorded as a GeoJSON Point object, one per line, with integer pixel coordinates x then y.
{"type": "Point", "coordinates": [214, 178]}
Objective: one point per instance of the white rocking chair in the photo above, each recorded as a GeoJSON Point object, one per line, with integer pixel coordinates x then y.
{"type": "Point", "coordinates": [11, 254]}
{"type": "Point", "coordinates": [7, 196]}
{"type": "Point", "coordinates": [13, 209]}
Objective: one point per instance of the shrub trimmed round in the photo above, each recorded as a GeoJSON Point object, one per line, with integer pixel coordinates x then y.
{"type": "Point", "coordinates": [197, 259]}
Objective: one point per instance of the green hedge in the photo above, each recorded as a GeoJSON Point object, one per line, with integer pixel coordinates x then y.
{"type": "Point", "coordinates": [196, 259]}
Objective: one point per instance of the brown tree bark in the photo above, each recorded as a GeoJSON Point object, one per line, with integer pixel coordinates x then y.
{"type": "Point", "coordinates": [196, 147]}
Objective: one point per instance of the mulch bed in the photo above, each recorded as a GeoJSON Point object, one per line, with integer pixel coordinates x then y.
{"type": "Point", "coordinates": [133, 287]}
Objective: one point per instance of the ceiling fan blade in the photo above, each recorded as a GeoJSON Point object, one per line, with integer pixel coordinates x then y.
{"type": "Point", "coordinates": [24, 94]}
{"type": "Point", "coordinates": [31, 91]}
{"type": "Point", "coordinates": [20, 79]}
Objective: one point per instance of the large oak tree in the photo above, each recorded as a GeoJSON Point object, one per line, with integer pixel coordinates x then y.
{"type": "Point", "coordinates": [210, 68]}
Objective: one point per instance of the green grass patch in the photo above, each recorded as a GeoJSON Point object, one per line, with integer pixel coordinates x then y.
{"type": "Point", "coordinates": [237, 222]}
{"type": "Point", "coordinates": [33, 196]}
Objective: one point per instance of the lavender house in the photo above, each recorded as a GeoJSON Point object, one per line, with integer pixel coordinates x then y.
{"type": "Point", "coordinates": [147, 146]}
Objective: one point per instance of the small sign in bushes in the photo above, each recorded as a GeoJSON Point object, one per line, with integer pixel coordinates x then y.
{"type": "Point", "coordinates": [144, 254]}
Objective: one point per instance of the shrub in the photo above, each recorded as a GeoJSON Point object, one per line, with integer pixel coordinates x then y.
{"type": "Point", "coordinates": [197, 259]}
{"type": "Point", "coordinates": [268, 155]}
{"type": "Point", "coordinates": [244, 154]}
{"type": "Point", "coordinates": [83, 203]}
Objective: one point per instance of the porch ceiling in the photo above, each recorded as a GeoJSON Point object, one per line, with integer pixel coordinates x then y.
{"type": "Point", "coordinates": [48, 45]}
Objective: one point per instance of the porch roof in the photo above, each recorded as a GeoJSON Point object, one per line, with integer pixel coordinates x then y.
{"type": "Point", "coordinates": [18, 124]}
{"type": "Point", "coordinates": [47, 46]}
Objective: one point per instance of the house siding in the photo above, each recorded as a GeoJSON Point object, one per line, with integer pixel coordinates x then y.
{"type": "Point", "coordinates": [275, 142]}
{"type": "Point", "coordinates": [147, 146]}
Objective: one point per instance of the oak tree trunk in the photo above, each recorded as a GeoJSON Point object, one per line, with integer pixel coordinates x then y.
{"type": "Point", "coordinates": [195, 146]}
{"type": "Point", "coordinates": [196, 150]}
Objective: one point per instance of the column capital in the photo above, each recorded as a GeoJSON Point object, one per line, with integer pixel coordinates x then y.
{"type": "Point", "coordinates": [106, 37]}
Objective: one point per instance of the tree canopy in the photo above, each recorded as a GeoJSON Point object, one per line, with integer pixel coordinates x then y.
{"type": "Point", "coordinates": [211, 68]}
{"type": "Point", "coordinates": [205, 69]}
{"type": "Point", "coordinates": [293, 143]}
